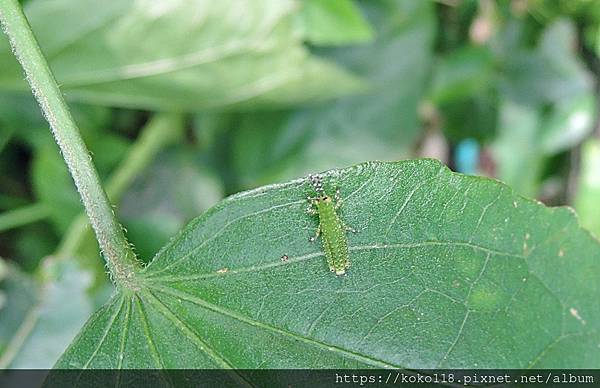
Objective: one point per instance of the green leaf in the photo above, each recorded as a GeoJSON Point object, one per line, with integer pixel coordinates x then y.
{"type": "Point", "coordinates": [546, 106]}
{"type": "Point", "coordinates": [447, 271]}
{"type": "Point", "coordinates": [517, 147]}
{"type": "Point", "coordinates": [41, 316]}
{"type": "Point", "coordinates": [462, 73]}
{"type": "Point", "coordinates": [587, 199]}
{"type": "Point", "coordinates": [20, 113]}
{"type": "Point", "coordinates": [18, 292]}
{"type": "Point", "coordinates": [569, 123]}
{"type": "Point", "coordinates": [550, 73]}
{"type": "Point", "coordinates": [185, 55]}
{"type": "Point", "coordinates": [380, 125]}
{"type": "Point", "coordinates": [474, 117]}
{"type": "Point", "coordinates": [3, 269]}
{"type": "Point", "coordinates": [30, 244]}
{"type": "Point", "coordinates": [54, 186]}
{"type": "Point", "coordinates": [526, 138]}
{"type": "Point", "coordinates": [598, 42]}
{"type": "Point", "coordinates": [334, 22]}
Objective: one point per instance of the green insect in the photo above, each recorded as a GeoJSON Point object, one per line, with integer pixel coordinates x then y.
{"type": "Point", "coordinates": [331, 227]}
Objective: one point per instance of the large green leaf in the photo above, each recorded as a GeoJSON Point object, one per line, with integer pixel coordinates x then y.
{"type": "Point", "coordinates": [182, 55]}
{"type": "Point", "coordinates": [447, 271]}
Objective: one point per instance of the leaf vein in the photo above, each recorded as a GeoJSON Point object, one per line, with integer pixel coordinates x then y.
{"type": "Point", "coordinates": [324, 346]}
{"type": "Point", "coordinates": [308, 256]}
{"type": "Point", "coordinates": [111, 322]}
{"type": "Point", "coordinates": [187, 331]}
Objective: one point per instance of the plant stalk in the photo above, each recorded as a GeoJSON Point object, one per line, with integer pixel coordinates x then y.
{"type": "Point", "coordinates": [117, 252]}
{"type": "Point", "coordinates": [22, 216]}
{"type": "Point", "coordinates": [162, 130]}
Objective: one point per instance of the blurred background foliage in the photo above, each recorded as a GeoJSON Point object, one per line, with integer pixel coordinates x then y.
{"type": "Point", "coordinates": [184, 102]}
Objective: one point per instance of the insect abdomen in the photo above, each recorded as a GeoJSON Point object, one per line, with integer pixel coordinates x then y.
{"type": "Point", "coordinates": [335, 244]}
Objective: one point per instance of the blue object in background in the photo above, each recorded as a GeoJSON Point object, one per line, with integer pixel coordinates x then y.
{"type": "Point", "coordinates": [466, 156]}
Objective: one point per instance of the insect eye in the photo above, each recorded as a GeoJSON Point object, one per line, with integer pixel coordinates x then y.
{"type": "Point", "coordinates": [326, 198]}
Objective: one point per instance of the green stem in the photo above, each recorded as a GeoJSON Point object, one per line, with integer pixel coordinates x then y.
{"type": "Point", "coordinates": [161, 130]}
{"type": "Point", "coordinates": [8, 202]}
{"type": "Point", "coordinates": [117, 252]}
{"type": "Point", "coordinates": [22, 216]}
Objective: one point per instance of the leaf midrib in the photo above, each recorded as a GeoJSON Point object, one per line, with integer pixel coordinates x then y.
{"type": "Point", "coordinates": [292, 260]}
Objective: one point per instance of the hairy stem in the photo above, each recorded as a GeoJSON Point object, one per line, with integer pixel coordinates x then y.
{"type": "Point", "coordinates": [162, 130]}
{"type": "Point", "coordinates": [117, 252]}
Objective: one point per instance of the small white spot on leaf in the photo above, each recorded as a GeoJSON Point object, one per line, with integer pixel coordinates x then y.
{"type": "Point", "coordinates": [575, 314]}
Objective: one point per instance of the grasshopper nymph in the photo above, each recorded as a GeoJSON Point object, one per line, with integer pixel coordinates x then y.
{"type": "Point", "coordinates": [331, 227]}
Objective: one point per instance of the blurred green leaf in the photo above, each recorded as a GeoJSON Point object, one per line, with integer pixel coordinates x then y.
{"type": "Point", "coordinates": [598, 42]}
{"type": "Point", "coordinates": [42, 315]}
{"type": "Point", "coordinates": [517, 147]}
{"type": "Point", "coordinates": [546, 107]}
{"type": "Point", "coordinates": [54, 186]}
{"type": "Point", "coordinates": [179, 55]}
{"type": "Point", "coordinates": [334, 22]}
{"type": "Point", "coordinates": [581, 10]}
{"type": "Point", "coordinates": [453, 263]}
{"type": "Point", "coordinates": [19, 294]}
{"type": "Point", "coordinates": [462, 73]}
{"type": "Point", "coordinates": [30, 244]}
{"type": "Point", "coordinates": [587, 199]}
{"type": "Point", "coordinates": [5, 135]}
{"type": "Point", "coordinates": [569, 123]}
{"type": "Point", "coordinates": [22, 216]}
{"type": "Point", "coordinates": [176, 188]}
{"type": "Point", "coordinates": [382, 124]}
{"type": "Point", "coordinates": [20, 114]}
{"type": "Point", "coordinates": [3, 269]}
{"type": "Point", "coordinates": [550, 73]}
{"type": "Point", "coordinates": [474, 117]}
{"type": "Point", "coordinates": [527, 138]}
